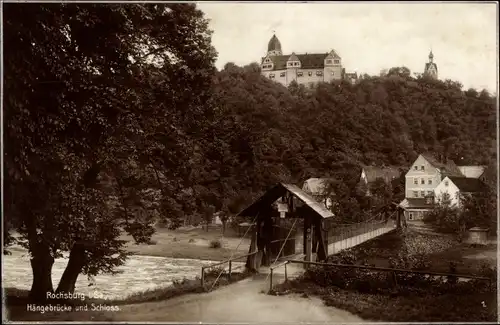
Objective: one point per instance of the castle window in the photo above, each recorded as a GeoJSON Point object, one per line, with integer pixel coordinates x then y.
{"type": "Point", "coordinates": [336, 61]}
{"type": "Point", "coordinates": [310, 73]}
{"type": "Point", "coordinates": [300, 74]}
{"type": "Point", "coordinates": [319, 73]}
{"type": "Point", "coordinates": [328, 61]}
{"type": "Point", "coordinates": [282, 74]}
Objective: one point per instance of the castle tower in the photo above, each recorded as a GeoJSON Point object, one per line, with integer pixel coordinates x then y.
{"type": "Point", "coordinates": [431, 69]}
{"type": "Point", "coordinates": [274, 46]}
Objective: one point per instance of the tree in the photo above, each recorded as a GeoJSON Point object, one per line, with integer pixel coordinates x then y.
{"type": "Point", "coordinates": [381, 192]}
{"type": "Point", "coordinates": [80, 108]}
{"type": "Point", "coordinates": [445, 217]}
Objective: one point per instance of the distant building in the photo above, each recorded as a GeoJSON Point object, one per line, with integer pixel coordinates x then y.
{"type": "Point", "coordinates": [370, 173]}
{"type": "Point", "coordinates": [428, 178]}
{"type": "Point", "coordinates": [431, 68]}
{"type": "Point", "coordinates": [305, 69]}
{"type": "Point", "coordinates": [457, 187]}
{"type": "Point", "coordinates": [317, 188]}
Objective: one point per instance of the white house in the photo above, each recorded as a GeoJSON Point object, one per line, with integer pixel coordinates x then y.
{"type": "Point", "coordinates": [317, 188]}
{"type": "Point", "coordinates": [456, 187]}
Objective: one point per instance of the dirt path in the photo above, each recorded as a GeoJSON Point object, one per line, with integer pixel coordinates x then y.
{"type": "Point", "coordinates": [240, 302]}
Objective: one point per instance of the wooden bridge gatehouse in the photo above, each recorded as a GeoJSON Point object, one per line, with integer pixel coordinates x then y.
{"type": "Point", "coordinates": [272, 236]}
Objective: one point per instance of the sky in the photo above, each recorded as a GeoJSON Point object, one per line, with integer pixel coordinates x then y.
{"type": "Point", "coordinates": [368, 37]}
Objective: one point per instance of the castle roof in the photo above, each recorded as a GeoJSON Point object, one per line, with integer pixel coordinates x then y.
{"type": "Point", "coordinates": [274, 44]}
{"type": "Point", "coordinates": [307, 61]}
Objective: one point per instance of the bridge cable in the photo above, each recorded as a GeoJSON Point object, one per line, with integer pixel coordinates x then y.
{"type": "Point", "coordinates": [232, 254]}
{"type": "Point", "coordinates": [283, 246]}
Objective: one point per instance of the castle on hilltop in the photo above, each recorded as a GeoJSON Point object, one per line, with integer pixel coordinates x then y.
{"type": "Point", "coordinates": [309, 69]}
{"type": "Point", "coordinates": [305, 69]}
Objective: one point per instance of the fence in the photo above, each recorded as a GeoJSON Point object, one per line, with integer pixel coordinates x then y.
{"type": "Point", "coordinates": [375, 268]}
{"type": "Point", "coordinates": [230, 267]}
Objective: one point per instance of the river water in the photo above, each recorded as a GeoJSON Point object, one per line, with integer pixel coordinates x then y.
{"type": "Point", "coordinates": [140, 273]}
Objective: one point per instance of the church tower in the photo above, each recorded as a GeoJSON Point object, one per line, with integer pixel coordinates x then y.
{"type": "Point", "coordinates": [274, 46]}
{"type": "Point", "coordinates": [431, 69]}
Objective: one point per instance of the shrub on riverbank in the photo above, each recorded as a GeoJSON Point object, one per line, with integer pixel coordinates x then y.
{"type": "Point", "coordinates": [376, 300]}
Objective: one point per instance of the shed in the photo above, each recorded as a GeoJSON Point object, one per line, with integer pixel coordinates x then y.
{"type": "Point", "coordinates": [478, 236]}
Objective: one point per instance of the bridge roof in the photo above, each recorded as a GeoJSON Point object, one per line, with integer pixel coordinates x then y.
{"type": "Point", "coordinates": [278, 191]}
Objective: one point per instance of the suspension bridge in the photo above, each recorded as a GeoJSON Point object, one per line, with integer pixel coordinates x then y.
{"type": "Point", "coordinates": [289, 224]}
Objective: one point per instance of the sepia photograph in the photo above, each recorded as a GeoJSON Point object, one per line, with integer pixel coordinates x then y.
{"type": "Point", "coordinates": [249, 162]}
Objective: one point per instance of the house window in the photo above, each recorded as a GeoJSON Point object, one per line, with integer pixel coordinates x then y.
{"type": "Point", "coordinates": [410, 217]}
{"type": "Point", "coordinates": [430, 193]}
{"type": "Point", "coordinates": [336, 61]}
{"type": "Point", "coordinates": [415, 193]}
{"type": "Point", "coordinates": [271, 75]}
{"type": "Point", "coordinates": [416, 167]}
{"type": "Point", "coordinates": [282, 74]}
{"type": "Point", "coordinates": [430, 181]}
{"type": "Point", "coordinates": [422, 193]}
{"type": "Point", "coordinates": [290, 64]}
{"type": "Point", "coordinates": [296, 64]}
{"type": "Point", "coordinates": [415, 181]}
{"type": "Point", "coordinates": [421, 167]}
{"type": "Point", "coordinates": [267, 60]}
{"type": "Point", "coordinates": [446, 183]}
{"type": "Point", "coordinates": [422, 181]}
{"type": "Point", "coordinates": [319, 73]}
{"type": "Point", "coordinates": [310, 73]}
{"type": "Point", "coordinates": [300, 74]}
{"type": "Point", "coordinates": [328, 61]}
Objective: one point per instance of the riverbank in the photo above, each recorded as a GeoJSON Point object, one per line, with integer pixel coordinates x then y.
{"type": "Point", "coordinates": [17, 301]}
{"type": "Point", "coordinates": [402, 306]}
{"type": "Point", "coordinates": [378, 296]}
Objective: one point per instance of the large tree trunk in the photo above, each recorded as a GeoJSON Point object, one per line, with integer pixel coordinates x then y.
{"type": "Point", "coordinates": [41, 264]}
{"type": "Point", "coordinates": [73, 269]}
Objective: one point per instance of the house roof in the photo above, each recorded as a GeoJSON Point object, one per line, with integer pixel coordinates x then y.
{"type": "Point", "coordinates": [448, 169]}
{"type": "Point", "coordinates": [415, 203]}
{"type": "Point", "coordinates": [386, 173]}
{"type": "Point", "coordinates": [307, 61]}
{"type": "Point", "coordinates": [278, 191]}
{"type": "Point", "coordinates": [472, 171]}
{"type": "Point", "coordinates": [468, 185]}
{"type": "Point", "coordinates": [316, 186]}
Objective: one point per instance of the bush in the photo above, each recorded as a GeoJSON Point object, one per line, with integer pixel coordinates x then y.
{"type": "Point", "coordinates": [216, 243]}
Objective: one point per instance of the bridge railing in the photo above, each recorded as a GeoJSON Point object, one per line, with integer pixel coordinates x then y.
{"type": "Point", "coordinates": [394, 271]}
{"type": "Point", "coordinates": [218, 264]}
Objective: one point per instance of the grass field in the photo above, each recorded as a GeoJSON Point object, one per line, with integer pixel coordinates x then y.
{"type": "Point", "coordinates": [192, 243]}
